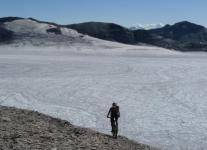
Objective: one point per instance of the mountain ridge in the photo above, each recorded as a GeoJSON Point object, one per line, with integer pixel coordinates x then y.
{"type": "Point", "coordinates": [105, 31]}
{"type": "Point", "coordinates": [181, 36]}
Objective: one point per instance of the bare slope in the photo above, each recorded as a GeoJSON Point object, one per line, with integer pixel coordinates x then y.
{"type": "Point", "coordinates": [23, 129]}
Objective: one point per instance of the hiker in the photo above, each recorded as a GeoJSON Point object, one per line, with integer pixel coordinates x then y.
{"type": "Point", "coordinates": [114, 114]}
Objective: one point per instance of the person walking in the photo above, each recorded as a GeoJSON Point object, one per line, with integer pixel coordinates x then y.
{"type": "Point", "coordinates": [114, 114]}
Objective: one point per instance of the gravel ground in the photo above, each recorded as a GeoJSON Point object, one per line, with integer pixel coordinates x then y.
{"type": "Point", "coordinates": [29, 130]}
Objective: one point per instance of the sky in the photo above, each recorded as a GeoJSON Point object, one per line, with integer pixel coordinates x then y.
{"type": "Point", "coordinates": [123, 12]}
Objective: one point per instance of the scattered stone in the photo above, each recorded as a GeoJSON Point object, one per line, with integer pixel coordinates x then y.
{"type": "Point", "coordinates": [93, 148]}
{"type": "Point", "coordinates": [24, 130]}
{"type": "Point", "coordinates": [7, 119]}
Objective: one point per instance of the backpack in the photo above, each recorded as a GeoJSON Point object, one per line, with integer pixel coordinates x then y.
{"type": "Point", "coordinates": [117, 111]}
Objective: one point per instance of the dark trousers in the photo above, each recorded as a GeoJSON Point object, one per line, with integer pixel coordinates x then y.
{"type": "Point", "coordinates": [114, 123]}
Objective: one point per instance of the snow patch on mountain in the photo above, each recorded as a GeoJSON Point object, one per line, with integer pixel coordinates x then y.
{"type": "Point", "coordinates": [146, 26]}
{"type": "Point", "coordinates": [31, 32]}
{"type": "Point", "coordinates": [31, 26]}
{"type": "Point", "coordinates": [27, 25]}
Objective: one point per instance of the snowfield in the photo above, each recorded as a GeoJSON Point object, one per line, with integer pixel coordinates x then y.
{"type": "Point", "coordinates": [162, 94]}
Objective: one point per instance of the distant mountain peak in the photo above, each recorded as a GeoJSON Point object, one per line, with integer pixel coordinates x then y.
{"type": "Point", "coordinates": [188, 24]}
{"type": "Point", "coordinates": [146, 26]}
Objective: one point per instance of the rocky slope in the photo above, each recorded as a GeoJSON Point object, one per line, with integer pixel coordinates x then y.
{"type": "Point", "coordinates": [23, 130]}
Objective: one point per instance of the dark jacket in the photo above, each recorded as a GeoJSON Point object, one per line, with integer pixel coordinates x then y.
{"type": "Point", "coordinates": [114, 112]}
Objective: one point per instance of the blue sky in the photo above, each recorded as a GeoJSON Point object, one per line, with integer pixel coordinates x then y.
{"type": "Point", "coordinates": [124, 12]}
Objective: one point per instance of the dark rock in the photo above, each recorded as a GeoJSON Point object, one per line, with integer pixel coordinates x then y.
{"type": "Point", "coordinates": [5, 35]}
{"type": "Point", "coordinates": [54, 30]}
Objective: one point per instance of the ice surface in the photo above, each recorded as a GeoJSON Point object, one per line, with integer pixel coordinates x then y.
{"type": "Point", "coordinates": [162, 94]}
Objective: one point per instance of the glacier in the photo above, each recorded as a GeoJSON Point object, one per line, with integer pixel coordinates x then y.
{"type": "Point", "coordinates": [162, 93]}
